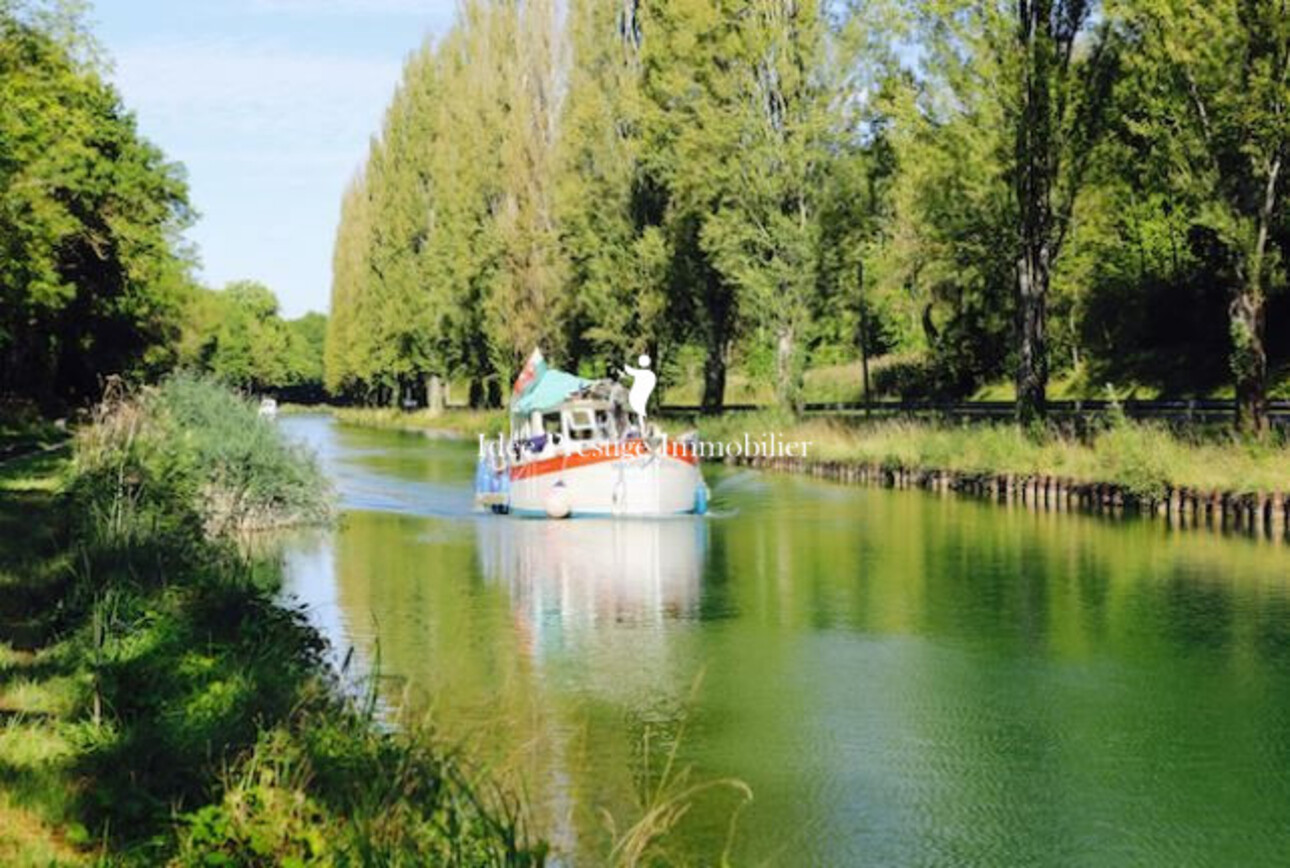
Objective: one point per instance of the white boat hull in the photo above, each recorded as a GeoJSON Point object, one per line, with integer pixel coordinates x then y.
{"type": "Point", "coordinates": [630, 485]}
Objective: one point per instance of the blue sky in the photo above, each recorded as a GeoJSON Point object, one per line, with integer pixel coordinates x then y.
{"type": "Point", "coordinates": [270, 105]}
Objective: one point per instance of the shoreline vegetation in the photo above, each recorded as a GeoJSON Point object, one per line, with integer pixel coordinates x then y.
{"type": "Point", "coordinates": [1115, 465]}
{"type": "Point", "coordinates": [159, 705]}
{"type": "Point", "coordinates": [452, 423]}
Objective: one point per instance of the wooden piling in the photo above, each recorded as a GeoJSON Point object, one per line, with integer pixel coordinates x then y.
{"type": "Point", "coordinates": [1263, 513]}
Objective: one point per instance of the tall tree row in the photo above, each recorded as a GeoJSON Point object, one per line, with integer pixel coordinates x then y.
{"type": "Point", "coordinates": [600, 183]}
{"type": "Point", "coordinates": [995, 190]}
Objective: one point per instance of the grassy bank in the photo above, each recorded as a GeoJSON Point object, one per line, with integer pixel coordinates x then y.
{"type": "Point", "coordinates": [1144, 459]}
{"type": "Point", "coordinates": [158, 706]}
{"type": "Point", "coordinates": [453, 422]}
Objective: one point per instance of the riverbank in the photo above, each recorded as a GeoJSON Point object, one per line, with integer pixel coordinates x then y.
{"type": "Point", "coordinates": [1120, 467]}
{"type": "Point", "coordinates": [1200, 477]}
{"type": "Point", "coordinates": [456, 422]}
{"type": "Point", "coordinates": [158, 705]}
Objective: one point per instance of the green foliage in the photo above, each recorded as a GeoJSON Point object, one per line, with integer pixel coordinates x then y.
{"type": "Point", "coordinates": [237, 335]}
{"type": "Point", "coordinates": [329, 788]}
{"type": "Point", "coordinates": [616, 253]}
{"type": "Point", "coordinates": [1210, 103]}
{"type": "Point", "coordinates": [92, 277]}
{"type": "Point", "coordinates": [178, 713]}
{"type": "Point", "coordinates": [189, 454]}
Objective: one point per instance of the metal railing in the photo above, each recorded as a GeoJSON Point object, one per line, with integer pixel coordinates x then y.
{"type": "Point", "coordinates": [1201, 411]}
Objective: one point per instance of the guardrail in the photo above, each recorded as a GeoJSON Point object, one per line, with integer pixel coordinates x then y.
{"type": "Point", "coordinates": [1172, 411]}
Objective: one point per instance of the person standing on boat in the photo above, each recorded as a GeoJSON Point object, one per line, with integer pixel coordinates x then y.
{"type": "Point", "coordinates": [643, 382]}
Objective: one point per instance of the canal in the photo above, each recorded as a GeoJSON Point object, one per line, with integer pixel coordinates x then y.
{"type": "Point", "coordinates": [898, 677]}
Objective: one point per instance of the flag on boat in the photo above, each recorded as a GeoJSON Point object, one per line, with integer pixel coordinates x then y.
{"type": "Point", "coordinates": [533, 370]}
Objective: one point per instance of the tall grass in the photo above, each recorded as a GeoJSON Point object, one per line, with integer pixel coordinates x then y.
{"type": "Point", "coordinates": [328, 787]}
{"type": "Point", "coordinates": [664, 797]}
{"type": "Point", "coordinates": [453, 422]}
{"type": "Point", "coordinates": [207, 727]}
{"type": "Point", "coordinates": [191, 451]}
{"type": "Point", "coordinates": [1142, 457]}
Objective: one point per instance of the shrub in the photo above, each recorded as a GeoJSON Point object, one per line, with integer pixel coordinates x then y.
{"type": "Point", "coordinates": [190, 456]}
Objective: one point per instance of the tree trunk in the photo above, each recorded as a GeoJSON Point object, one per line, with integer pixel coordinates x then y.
{"type": "Point", "coordinates": [930, 332]}
{"type": "Point", "coordinates": [1033, 178]}
{"type": "Point", "coordinates": [864, 372]}
{"type": "Point", "coordinates": [1249, 356]}
{"type": "Point", "coordinates": [714, 378]}
{"type": "Point", "coordinates": [1249, 360]}
{"type": "Point", "coordinates": [788, 392]}
{"type": "Point", "coordinates": [864, 335]}
{"type": "Point", "coordinates": [1032, 351]}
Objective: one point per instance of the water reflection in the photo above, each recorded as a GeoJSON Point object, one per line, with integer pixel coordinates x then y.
{"type": "Point", "coordinates": [901, 679]}
{"type": "Point", "coordinates": [569, 576]}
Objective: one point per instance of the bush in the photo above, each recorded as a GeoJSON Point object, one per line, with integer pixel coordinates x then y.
{"type": "Point", "coordinates": [191, 456]}
{"type": "Point", "coordinates": [1137, 456]}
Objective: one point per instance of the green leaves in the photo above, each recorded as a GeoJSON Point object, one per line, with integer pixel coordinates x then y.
{"type": "Point", "coordinates": [1213, 85]}
{"type": "Point", "coordinates": [782, 182]}
{"type": "Point", "coordinates": [237, 335]}
{"type": "Point", "coordinates": [91, 278]}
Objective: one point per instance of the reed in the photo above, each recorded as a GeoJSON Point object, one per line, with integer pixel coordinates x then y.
{"type": "Point", "coordinates": [192, 451]}
{"type": "Point", "coordinates": [665, 796]}
{"type": "Point", "coordinates": [1143, 459]}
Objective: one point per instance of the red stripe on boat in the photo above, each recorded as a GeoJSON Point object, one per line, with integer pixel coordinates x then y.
{"type": "Point", "coordinates": [596, 455]}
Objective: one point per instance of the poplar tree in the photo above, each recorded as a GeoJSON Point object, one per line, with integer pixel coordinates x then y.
{"type": "Point", "coordinates": [610, 214]}
{"type": "Point", "coordinates": [684, 80]}
{"type": "Point", "coordinates": [403, 300]}
{"type": "Point", "coordinates": [523, 302]}
{"type": "Point", "coordinates": [772, 140]}
{"type": "Point", "coordinates": [350, 257]}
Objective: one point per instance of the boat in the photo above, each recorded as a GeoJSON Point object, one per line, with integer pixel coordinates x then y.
{"type": "Point", "coordinates": [576, 448]}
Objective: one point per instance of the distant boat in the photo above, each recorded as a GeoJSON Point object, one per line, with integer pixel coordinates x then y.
{"type": "Point", "coordinates": [575, 449]}
{"type": "Point", "coordinates": [268, 408]}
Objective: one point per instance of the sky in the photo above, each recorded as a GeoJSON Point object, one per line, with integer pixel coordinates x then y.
{"type": "Point", "coordinates": [270, 105]}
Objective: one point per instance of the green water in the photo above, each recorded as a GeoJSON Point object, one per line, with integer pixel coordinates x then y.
{"type": "Point", "coordinates": [900, 678]}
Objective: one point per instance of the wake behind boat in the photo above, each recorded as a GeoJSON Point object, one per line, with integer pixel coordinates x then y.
{"type": "Point", "coordinates": [576, 448]}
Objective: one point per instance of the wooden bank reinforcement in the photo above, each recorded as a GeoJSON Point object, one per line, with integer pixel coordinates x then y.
{"type": "Point", "coordinates": [1265, 514]}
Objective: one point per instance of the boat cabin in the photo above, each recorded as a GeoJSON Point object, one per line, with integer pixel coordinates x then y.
{"type": "Point", "coordinates": [582, 420]}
